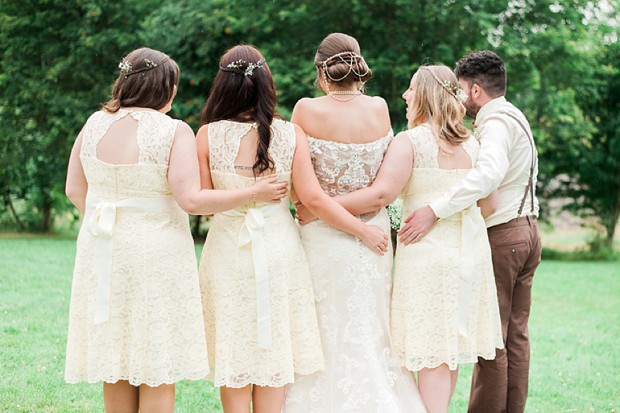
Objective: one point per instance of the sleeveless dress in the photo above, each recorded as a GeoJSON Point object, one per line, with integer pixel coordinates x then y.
{"type": "Point", "coordinates": [352, 287]}
{"type": "Point", "coordinates": [444, 305]}
{"type": "Point", "coordinates": [258, 303]}
{"type": "Point", "coordinates": [135, 300]}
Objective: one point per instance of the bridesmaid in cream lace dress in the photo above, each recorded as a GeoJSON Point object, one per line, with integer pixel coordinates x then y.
{"type": "Point", "coordinates": [444, 306]}
{"type": "Point", "coordinates": [135, 320]}
{"type": "Point", "coordinates": [348, 135]}
{"type": "Point", "coordinates": [258, 302]}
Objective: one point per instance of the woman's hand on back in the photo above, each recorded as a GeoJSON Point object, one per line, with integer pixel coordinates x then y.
{"type": "Point", "coordinates": [269, 190]}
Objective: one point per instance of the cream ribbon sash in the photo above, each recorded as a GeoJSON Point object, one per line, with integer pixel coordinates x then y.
{"type": "Point", "coordinates": [101, 225]}
{"type": "Point", "coordinates": [471, 223]}
{"type": "Point", "coordinates": [252, 233]}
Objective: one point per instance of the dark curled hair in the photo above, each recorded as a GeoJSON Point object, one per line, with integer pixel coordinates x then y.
{"type": "Point", "coordinates": [486, 69]}
{"type": "Point", "coordinates": [243, 97]}
{"type": "Point", "coordinates": [147, 81]}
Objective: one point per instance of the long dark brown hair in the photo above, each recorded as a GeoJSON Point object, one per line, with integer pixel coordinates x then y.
{"type": "Point", "coordinates": [146, 79]}
{"type": "Point", "coordinates": [241, 96]}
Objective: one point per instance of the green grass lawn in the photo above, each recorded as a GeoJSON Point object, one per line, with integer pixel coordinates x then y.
{"type": "Point", "coordinates": [575, 326]}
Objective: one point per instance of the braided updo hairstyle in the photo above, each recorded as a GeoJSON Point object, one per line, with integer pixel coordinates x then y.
{"type": "Point", "coordinates": [338, 60]}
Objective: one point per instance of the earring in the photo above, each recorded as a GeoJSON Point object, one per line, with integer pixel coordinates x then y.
{"type": "Point", "coordinates": [326, 83]}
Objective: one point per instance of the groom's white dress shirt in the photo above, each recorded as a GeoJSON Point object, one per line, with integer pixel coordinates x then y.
{"type": "Point", "coordinates": [504, 163]}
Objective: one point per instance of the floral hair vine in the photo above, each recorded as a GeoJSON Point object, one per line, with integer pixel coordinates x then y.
{"type": "Point", "coordinates": [238, 67]}
{"type": "Point", "coordinates": [452, 89]}
{"type": "Point", "coordinates": [349, 58]}
{"type": "Point", "coordinates": [126, 66]}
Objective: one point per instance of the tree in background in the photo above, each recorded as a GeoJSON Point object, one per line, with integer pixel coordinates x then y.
{"type": "Point", "coordinates": [57, 58]}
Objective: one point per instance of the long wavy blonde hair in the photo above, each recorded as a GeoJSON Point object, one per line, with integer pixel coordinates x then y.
{"type": "Point", "coordinates": [435, 102]}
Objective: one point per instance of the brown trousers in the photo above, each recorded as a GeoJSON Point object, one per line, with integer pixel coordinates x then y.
{"type": "Point", "coordinates": [500, 385]}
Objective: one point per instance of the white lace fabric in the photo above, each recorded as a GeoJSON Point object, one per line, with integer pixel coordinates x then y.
{"type": "Point", "coordinates": [155, 333]}
{"type": "Point", "coordinates": [428, 279]}
{"type": "Point", "coordinates": [228, 284]}
{"type": "Point", "coordinates": [352, 288]}
{"type": "Point", "coordinates": [344, 167]}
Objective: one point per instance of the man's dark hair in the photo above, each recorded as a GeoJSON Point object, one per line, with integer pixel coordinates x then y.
{"type": "Point", "coordinates": [486, 69]}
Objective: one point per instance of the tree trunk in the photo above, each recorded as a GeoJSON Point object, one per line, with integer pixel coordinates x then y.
{"type": "Point", "coordinates": [9, 202]}
{"type": "Point", "coordinates": [46, 221]}
{"type": "Point", "coordinates": [612, 223]}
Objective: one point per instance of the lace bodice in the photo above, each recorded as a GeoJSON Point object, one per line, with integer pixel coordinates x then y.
{"type": "Point", "coordinates": [346, 167]}
{"type": "Point", "coordinates": [155, 135]}
{"type": "Point", "coordinates": [224, 141]}
{"type": "Point", "coordinates": [426, 147]}
{"type": "Point", "coordinates": [428, 181]}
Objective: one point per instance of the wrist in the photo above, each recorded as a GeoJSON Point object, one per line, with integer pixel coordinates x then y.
{"type": "Point", "coordinates": [433, 213]}
{"type": "Point", "coordinates": [360, 231]}
{"type": "Point", "coordinates": [251, 194]}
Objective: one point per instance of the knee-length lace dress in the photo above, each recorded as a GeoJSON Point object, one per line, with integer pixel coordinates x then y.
{"type": "Point", "coordinates": [352, 288]}
{"type": "Point", "coordinates": [136, 310]}
{"type": "Point", "coordinates": [444, 305]}
{"type": "Point", "coordinates": [259, 308]}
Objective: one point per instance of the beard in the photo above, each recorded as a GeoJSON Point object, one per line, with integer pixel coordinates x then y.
{"type": "Point", "coordinates": [471, 108]}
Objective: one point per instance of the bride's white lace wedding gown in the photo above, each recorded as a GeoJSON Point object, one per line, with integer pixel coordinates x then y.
{"type": "Point", "coordinates": [352, 288]}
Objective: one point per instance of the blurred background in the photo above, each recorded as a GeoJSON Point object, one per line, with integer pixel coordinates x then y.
{"type": "Point", "coordinates": [59, 59]}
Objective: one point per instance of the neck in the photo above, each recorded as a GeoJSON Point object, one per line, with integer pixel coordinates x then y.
{"type": "Point", "coordinates": [343, 89]}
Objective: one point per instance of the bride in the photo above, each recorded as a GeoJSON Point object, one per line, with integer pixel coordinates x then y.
{"type": "Point", "coordinates": [348, 134]}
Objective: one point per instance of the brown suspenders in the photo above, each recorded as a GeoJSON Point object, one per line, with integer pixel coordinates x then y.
{"type": "Point", "coordinates": [530, 183]}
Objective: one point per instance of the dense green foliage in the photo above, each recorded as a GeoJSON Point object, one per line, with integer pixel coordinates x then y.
{"type": "Point", "coordinates": [59, 58]}
{"type": "Point", "coordinates": [573, 369]}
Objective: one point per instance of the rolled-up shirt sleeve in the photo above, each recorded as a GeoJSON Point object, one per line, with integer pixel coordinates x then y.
{"type": "Point", "coordinates": [485, 177]}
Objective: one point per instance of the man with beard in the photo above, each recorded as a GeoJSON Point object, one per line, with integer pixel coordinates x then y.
{"type": "Point", "coordinates": [507, 162]}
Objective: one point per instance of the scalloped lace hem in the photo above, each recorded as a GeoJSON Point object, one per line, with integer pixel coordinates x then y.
{"type": "Point", "coordinates": [235, 383]}
{"type": "Point", "coordinates": [420, 364]}
{"type": "Point", "coordinates": [136, 381]}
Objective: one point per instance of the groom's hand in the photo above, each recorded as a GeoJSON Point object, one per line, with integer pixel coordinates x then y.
{"type": "Point", "coordinates": [417, 225]}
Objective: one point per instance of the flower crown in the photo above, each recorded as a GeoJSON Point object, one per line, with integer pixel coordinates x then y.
{"type": "Point", "coordinates": [237, 67]}
{"type": "Point", "coordinates": [452, 89]}
{"type": "Point", "coordinates": [349, 58]}
{"type": "Point", "coordinates": [127, 67]}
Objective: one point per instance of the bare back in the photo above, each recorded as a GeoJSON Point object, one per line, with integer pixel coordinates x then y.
{"type": "Point", "coordinates": [363, 119]}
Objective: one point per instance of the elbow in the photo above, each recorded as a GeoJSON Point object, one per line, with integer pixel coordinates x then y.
{"type": "Point", "coordinates": [76, 197]}
{"type": "Point", "coordinates": [383, 199]}
{"type": "Point", "coordinates": [315, 203]}
{"type": "Point", "coordinates": [189, 205]}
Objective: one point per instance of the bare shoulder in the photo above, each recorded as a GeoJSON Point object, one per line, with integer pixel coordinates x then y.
{"type": "Point", "coordinates": [305, 105]}
{"type": "Point", "coordinates": [299, 132]}
{"type": "Point", "coordinates": [184, 129]}
{"type": "Point", "coordinates": [304, 108]}
{"type": "Point", "coordinates": [379, 102]}
{"type": "Point", "coordinates": [400, 139]}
